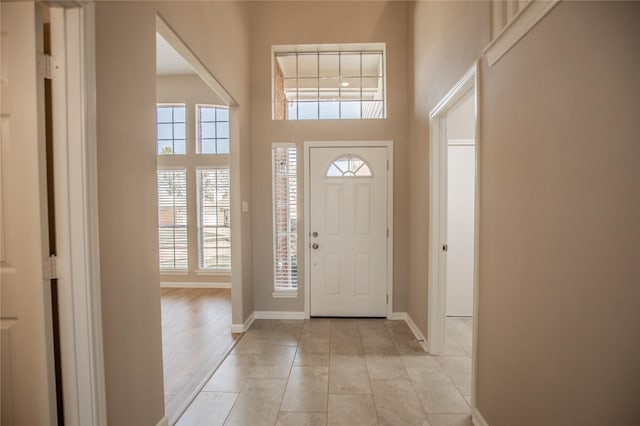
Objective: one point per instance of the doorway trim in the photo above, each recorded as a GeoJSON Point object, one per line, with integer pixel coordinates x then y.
{"type": "Point", "coordinates": [76, 206]}
{"type": "Point", "coordinates": [469, 83]}
{"type": "Point", "coordinates": [307, 213]}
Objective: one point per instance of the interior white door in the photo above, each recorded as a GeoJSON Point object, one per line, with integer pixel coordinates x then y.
{"type": "Point", "coordinates": [348, 226]}
{"type": "Point", "coordinates": [26, 373]}
{"type": "Point", "coordinates": [460, 223]}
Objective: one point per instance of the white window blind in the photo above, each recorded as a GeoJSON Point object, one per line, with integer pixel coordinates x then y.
{"type": "Point", "coordinates": [285, 217]}
{"type": "Point", "coordinates": [172, 218]}
{"type": "Point", "coordinates": [214, 214]}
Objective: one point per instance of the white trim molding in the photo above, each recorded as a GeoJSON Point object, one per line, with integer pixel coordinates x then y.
{"type": "Point", "coordinates": [530, 14]}
{"type": "Point", "coordinates": [76, 207]}
{"type": "Point", "coordinates": [241, 328]}
{"type": "Point", "coordinates": [279, 315]}
{"type": "Point", "coordinates": [397, 316]}
{"type": "Point", "coordinates": [164, 29]}
{"type": "Point", "coordinates": [477, 418]}
{"type": "Point", "coordinates": [163, 421]}
{"type": "Point", "coordinates": [178, 284]}
{"type": "Point", "coordinates": [436, 333]}
{"type": "Point", "coordinates": [285, 294]}
{"type": "Point", "coordinates": [404, 316]}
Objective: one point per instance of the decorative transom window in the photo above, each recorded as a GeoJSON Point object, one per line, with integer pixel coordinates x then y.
{"type": "Point", "coordinates": [349, 166]}
{"type": "Point", "coordinates": [171, 137]}
{"type": "Point", "coordinates": [318, 82]}
{"type": "Point", "coordinates": [213, 130]}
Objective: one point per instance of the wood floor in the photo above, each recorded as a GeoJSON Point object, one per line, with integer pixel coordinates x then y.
{"type": "Point", "coordinates": [196, 335]}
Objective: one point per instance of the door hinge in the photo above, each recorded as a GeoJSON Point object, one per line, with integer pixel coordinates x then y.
{"type": "Point", "coordinates": [51, 268]}
{"type": "Point", "coordinates": [47, 66]}
{"type": "Point", "coordinates": [387, 164]}
{"type": "Point", "coordinates": [387, 299]}
{"type": "Point", "coordinates": [387, 232]}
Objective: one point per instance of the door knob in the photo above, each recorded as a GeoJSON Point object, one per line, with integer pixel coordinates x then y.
{"type": "Point", "coordinates": [315, 246]}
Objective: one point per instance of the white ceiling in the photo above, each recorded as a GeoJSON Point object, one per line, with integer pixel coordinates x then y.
{"type": "Point", "coordinates": [168, 61]}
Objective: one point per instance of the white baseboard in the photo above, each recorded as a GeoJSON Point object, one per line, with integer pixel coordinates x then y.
{"type": "Point", "coordinates": [241, 328]}
{"type": "Point", "coordinates": [176, 284]}
{"type": "Point", "coordinates": [163, 421]}
{"type": "Point", "coordinates": [281, 315]}
{"type": "Point", "coordinates": [398, 316]}
{"type": "Point", "coordinates": [477, 418]}
{"type": "Point", "coordinates": [414, 328]}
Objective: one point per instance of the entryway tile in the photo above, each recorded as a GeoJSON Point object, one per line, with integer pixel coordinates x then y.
{"type": "Point", "coordinates": [397, 403]}
{"type": "Point", "coordinates": [208, 409]}
{"type": "Point", "coordinates": [348, 374]}
{"type": "Point", "coordinates": [301, 419]}
{"type": "Point", "coordinates": [258, 403]}
{"type": "Point", "coordinates": [352, 410]}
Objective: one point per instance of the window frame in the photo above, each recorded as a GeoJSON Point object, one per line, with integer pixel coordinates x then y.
{"type": "Point", "coordinates": [290, 291]}
{"type": "Point", "coordinates": [326, 49]}
{"type": "Point", "coordinates": [175, 270]}
{"type": "Point", "coordinates": [198, 132]}
{"type": "Point", "coordinates": [172, 122]}
{"type": "Point", "coordinates": [199, 219]}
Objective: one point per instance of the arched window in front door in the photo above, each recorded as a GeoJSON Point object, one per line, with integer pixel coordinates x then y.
{"type": "Point", "coordinates": [349, 166]}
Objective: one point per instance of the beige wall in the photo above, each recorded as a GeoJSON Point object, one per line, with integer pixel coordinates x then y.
{"type": "Point", "coordinates": [559, 207]}
{"type": "Point", "coordinates": [324, 22]}
{"type": "Point", "coordinates": [218, 33]}
{"type": "Point", "coordinates": [560, 236]}
{"type": "Point", "coordinates": [190, 90]}
{"type": "Point", "coordinates": [445, 40]}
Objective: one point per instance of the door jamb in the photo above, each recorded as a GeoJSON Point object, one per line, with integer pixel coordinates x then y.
{"type": "Point", "coordinates": [76, 205]}
{"type": "Point", "coordinates": [307, 211]}
{"type": "Point", "coordinates": [437, 219]}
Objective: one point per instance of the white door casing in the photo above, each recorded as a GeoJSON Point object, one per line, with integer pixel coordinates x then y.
{"type": "Point", "coordinates": [348, 231]}
{"type": "Point", "coordinates": [26, 376]}
{"type": "Point", "coordinates": [437, 221]}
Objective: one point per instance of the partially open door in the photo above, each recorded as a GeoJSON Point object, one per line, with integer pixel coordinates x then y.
{"type": "Point", "coordinates": [26, 356]}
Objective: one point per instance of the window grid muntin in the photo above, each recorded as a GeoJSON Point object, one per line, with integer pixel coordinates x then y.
{"type": "Point", "coordinates": [173, 122]}
{"type": "Point", "coordinates": [218, 111]}
{"type": "Point", "coordinates": [221, 228]}
{"type": "Point", "coordinates": [173, 243]}
{"type": "Point", "coordinates": [285, 218]}
{"type": "Point", "coordinates": [356, 167]}
{"type": "Point", "coordinates": [381, 75]}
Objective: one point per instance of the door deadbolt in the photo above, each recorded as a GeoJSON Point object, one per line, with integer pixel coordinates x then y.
{"type": "Point", "coordinates": [445, 247]}
{"type": "Point", "coordinates": [315, 234]}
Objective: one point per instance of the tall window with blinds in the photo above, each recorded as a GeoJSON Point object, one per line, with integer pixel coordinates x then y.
{"type": "Point", "coordinates": [214, 214]}
{"type": "Point", "coordinates": [285, 218]}
{"type": "Point", "coordinates": [172, 219]}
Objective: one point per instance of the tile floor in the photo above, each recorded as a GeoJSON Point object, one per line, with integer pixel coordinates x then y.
{"type": "Point", "coordinates": [338, 372]}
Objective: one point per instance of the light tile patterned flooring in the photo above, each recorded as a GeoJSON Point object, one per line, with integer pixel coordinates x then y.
{"type": "Point", "coordinates": [338, 372]}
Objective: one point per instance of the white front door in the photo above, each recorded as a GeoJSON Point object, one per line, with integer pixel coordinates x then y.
{"type": "Point", "coordinates": [348, 231]}
{"type": "Point", "coordinates": [27, 382]}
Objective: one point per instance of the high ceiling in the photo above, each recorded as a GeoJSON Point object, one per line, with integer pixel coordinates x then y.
{"type": "Point", "coordinates": [168, 61]}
